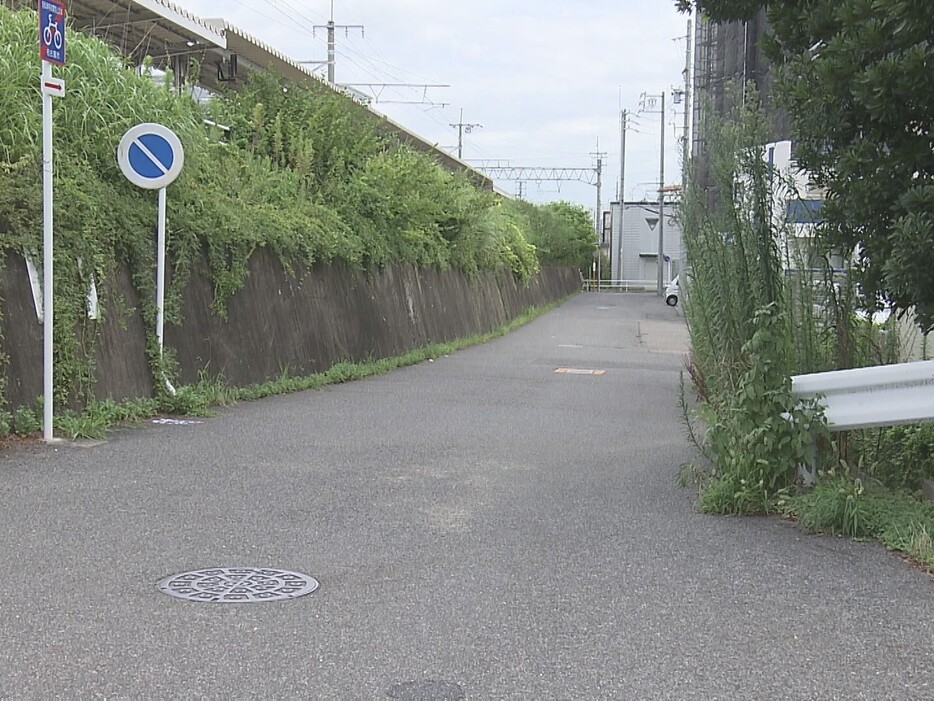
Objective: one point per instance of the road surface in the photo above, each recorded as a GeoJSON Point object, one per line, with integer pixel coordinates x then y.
{"type": "Point", "coordinates": [482, 527]}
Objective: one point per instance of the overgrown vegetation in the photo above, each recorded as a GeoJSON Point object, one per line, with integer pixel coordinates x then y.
{"type": "Point", "coordinates": [741, 314]}
{"type": "Point", "coordinates": [855, 77]}
{"type": "Point", "coordinates": [305, 173]}
{"type": "Point", "coordinates": [763, 304]}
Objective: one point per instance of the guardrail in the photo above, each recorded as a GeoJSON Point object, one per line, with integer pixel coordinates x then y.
{"type": "Point", "coordinates": [881, 395]}
{"type": "Point", "coordinates": [620, 285]}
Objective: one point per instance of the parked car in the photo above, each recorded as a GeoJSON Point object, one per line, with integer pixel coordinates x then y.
{"type": "Point", "coordinates": [673, 292]}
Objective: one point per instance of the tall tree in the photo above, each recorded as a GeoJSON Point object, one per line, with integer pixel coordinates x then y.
{"type": "Point", "coordinates": [857, 78]}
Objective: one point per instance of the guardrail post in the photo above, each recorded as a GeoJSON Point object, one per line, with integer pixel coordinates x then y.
{"type": "Point", "coordinates": [807, 472]}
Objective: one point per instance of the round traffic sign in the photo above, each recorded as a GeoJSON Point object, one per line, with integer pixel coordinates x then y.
{"type": "Point", "coordinates": [150, 155]}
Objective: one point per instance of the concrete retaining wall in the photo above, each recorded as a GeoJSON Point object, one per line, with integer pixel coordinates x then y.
{"type": "Point", "coordinates": [302, 323]}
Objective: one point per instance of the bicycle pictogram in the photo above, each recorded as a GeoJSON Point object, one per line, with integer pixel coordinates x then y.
{"type": "Point", "coordinates": [52, 34]}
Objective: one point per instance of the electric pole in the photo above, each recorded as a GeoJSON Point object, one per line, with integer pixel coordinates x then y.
{"type": "Point", "coordinates": [623, 116]}
{"type": "Point", "coordinates": [618, 245]}
{"type": "Point", "coordinates": [461, 127]}
{"type": "Point", "coordinates": [687, 115]}
{"type": "Point", "coordinates": [686, 157]}
{"type": "Point", "coordinates": [598, 224]}
{"type": "Point", "coordinates": [649, 101]}
{"type": "Point", "coordinates": [330, 27]}
{"type": "Point", "coordinates": [661, 207]}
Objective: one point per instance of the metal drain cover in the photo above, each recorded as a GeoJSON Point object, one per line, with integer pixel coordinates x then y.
{"type": "Point", "coordinates": [238, 585]}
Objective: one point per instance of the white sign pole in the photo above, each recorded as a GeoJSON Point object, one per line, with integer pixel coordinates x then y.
{"type": "Point", "coordinates": [47, 252]}
{"type": "Point", "coordinates": [151, 156]}
{"type": "Point", "coordinates": [160, 272]}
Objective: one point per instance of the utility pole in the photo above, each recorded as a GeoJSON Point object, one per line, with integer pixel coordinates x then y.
{"type": "Point", "coordinates": [520, 185]}
{"type": "Point", "coordinates": [461, 127]}
{"type": "Point", "coordinates": [330, 26]}
{"type": "Point", "coordinates": [598, 224]}
{"type": "Point", "coordinates": [618, 245]}
{"type": "Point", "coordinates": [623, 117]}
{"type": "Point", "coordinates": [649, 101]}
{"type": "Point", "coordinates": [687, 117]}
{"type": "Point", "coordinates": [661, 207]}
{"type": "Point", "coordinates": [686, 155]}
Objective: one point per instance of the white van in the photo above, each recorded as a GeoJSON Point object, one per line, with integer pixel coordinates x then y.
{"type": "Point", "coordinates": [673, 292]}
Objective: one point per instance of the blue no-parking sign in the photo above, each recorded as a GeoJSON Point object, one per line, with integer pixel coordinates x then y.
{"type": "Point", "coordinates": [150, 156]}
{"type": "Point", "coordinates": [52, 31]}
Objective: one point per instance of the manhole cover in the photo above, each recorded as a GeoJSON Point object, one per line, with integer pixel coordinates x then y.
{"type": "Point", "coordinates": [238, 585]}
{"type": "Point", "coordinates": [430, 690]}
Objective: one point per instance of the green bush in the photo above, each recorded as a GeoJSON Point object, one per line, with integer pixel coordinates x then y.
{"type": "Point", "coordinates": [25, 421]}
{"type": "Point", "coordinates": [761, 433]}
{"type": "Point", "coordinates": [900, 457]}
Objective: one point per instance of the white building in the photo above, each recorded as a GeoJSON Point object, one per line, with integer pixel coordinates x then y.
{"type": "Point", "coordinates": [634, 242]}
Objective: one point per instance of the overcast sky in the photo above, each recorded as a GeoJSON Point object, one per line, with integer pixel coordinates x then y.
{"type": "Point", "coordinates": [546, 79]}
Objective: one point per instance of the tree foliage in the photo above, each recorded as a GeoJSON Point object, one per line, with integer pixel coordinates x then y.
{"type": "Point", "coordinates": [561, 232]}
{"type": "Point", "coordinates": [855, 76]}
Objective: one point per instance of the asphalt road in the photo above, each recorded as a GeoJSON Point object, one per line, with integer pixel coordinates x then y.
{"type": "Point", "coordinates": [482, 527]}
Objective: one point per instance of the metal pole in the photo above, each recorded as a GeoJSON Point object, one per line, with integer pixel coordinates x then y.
{"type": "Point", "coordinates": [160, 285]}
{"type": "Point", "coordinates": [160, 272]}
{"type": "Point", "coordinates": [686, 153]}
{"type": "Point", "coordinates": [687, 112]}
{"type": "Point", "coordinates": [599, 218]}
{"type": "Point", "coordinates": [599, 199]}
{"type": "Point", "coordinates": [661, 208]}
{"type": "Point", "coordinates": [331, 51]}
{"type": "Point", "coordinates": [622, 190]}
{"type": "Point", "coordinates": [47, 302]}
{"type": "Point", "coordinates": [331, 26]}
{"type": "Point", "coordinates": [460, 135]}
{"type": "Point", "coordinates": [622, 154]}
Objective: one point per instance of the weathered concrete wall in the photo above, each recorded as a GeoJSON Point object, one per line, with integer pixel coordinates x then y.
{"type": "Point", "coordinates": [302, 323]}
{"type": "Point", "coordinates": [119, 353]}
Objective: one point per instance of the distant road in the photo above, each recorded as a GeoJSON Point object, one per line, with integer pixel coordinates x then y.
{"type": "Point", "coordinates": [482, 527]}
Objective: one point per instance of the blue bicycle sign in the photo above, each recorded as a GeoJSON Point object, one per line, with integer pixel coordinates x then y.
{"type": "Point", "coordinates": [52, 31]}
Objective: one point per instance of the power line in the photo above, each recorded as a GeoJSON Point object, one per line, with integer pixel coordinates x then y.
{"type": "Point", "coordinates": [290, 16]}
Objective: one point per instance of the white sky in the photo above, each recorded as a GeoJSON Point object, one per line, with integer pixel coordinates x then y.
{"type": "Point", "coordinates": [545, 78]}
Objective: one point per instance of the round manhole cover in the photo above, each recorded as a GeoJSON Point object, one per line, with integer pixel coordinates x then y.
{"type": "Point", "coordinates": [238, 585]}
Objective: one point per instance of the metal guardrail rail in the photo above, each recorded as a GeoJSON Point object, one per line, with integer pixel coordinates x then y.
{"type": "Point", "coordinates": [620, 285]}
{"type": "Point", "coordinates": [881, 395]}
